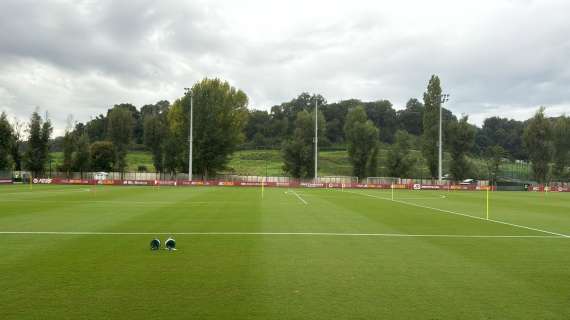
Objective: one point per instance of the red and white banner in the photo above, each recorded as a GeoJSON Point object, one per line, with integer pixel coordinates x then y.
{"type": "Point", "coordinates": [292, 184]}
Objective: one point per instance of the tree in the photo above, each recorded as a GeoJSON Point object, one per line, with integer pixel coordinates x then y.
{"type": "Point", "coordinates": [383, 116]}
{"type": "Point", "coordinates": [172, 157]}
{"type": "Point", "coordinates": [39, 132]}
{"type": "Point", "coordinates": [538, 142]}
{"type": "Point", "coordinates": [6, 141]}
{"type": "Point", "coordinates": [220, 114]}
{"type": "Point", "coordinates": [257, 127]}
{"type": "Point", "coordinates": [287, 112]}
{"type": "Point", "coordinates": [335, 115]}
{"type": "Point", "coordinates": [16, 150]}
{"type": "Point", "coordinates": [68, 149]}
{"type": "Point", "coordinates": [561, 143]}
{"type": "Point", "coordinates": [97, 128]}
{"type": "Point", "coordinates": [82, 155]}
{"type": "Point", "coordinates": [120, 129]}
{"type": "Point", "coordinates": [494, 156]}
{"type": "Point", "coordinates": [298, 151]}
{"type": "Point", "coordinates": [399, 161]}
{"type": "Point", "coordinates": [102, 156]}
{"type": "Point", "coordinates": [461, 139]}
{"type": "Point", "coordinates": [430, 138]}
{"type": "Point", "coordinates": [68, 146]}
{"type": "Point", "coordinates": [362, 141]}
{"type": "Point", "coordinates": [410, 119]}
{"type": "Point", "coordinates": [504, 132]}
{"type": "Point", "coordinates": [155, 130]}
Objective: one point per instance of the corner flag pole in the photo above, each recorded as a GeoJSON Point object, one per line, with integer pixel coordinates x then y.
{"type": "Point", "coordinates": [316, 138]}
{"type": "Point", "coordinates": [488, 188]}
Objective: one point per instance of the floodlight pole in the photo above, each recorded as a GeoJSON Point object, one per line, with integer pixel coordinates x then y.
{"type": "Point", "coordinates": [443, 99]}
{"type": "Point", "coordinates": [316, 139]}
{"type": "Point", "coordinates": [189, 91]}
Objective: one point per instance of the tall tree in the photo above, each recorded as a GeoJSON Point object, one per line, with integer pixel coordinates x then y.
{"type": "Point", "coordinates": [430, 138]}
{"type": "Point", "coordinates": [335, 115]}
{"type": "Point", "coordinates": [6, 141]}
{"type": "Point", "coordinates": [120, 130]}
{"type": "Point", "coordinates": [538, 141]}
{"type": "Point", "coordinates": [383, 116]}
{"type": "Point", "coordinates": [102, 156]}
{"type": "Point", "coordinates": [410, 118]}
{"type": "Point", "coordinates": [561, 142]}
{"type": "Point", "coordinates": [82, 155]}
{"type": "Point", "coordinates": [37, 155]}
{"type": "Point", "coordinates": [504, 132]}
{"type": "Point", "coordinates": [298, 151]}
{"type": "Point", "coordinates": [362, 141]}
{"type": "Point", "coordinates": [494, 157]}
{"type": "Point", "coordinates": [399, 161]}
{"type": "Point", "coordinates": [17, 137]}
{"type": "Point", "coordinates": [97, 128]}
{"type": "Point", "coordinates": [461, 139]}
{"type": "Point", "coordinates": [257, 127]}
{"type": "Point", "coordinates": [68, 149]}
{"type": "Point", "coordinates": [173, 159]}
{"type": "Point", "coordinates": [287, 112]}
{"type": "Point", "coordinates": [220, 114]}
{"type": "Point", "coordinates": [155, 131]}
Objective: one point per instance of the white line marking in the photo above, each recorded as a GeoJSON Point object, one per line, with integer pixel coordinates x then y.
{"type": "Point", "coordinates": [142, 203]}
{"type": "Point", "coordinates": [299, 197]}
{"type": "Point", "coordinates": [465, 215]}
{"type": "Point", "coordinates": [400, 235]}
{"type": "Point", "coordinates": [31, 192]}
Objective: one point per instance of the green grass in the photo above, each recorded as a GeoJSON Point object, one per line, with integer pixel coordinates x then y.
{"type": "Point", "coordinates": [331, 163]}
{"type": "Point", "coordinates": [240, 268]}
{"type": "Point", "coordinates": [134, 160]}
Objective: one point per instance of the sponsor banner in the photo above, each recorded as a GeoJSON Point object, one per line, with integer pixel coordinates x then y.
{"type": "Point", "coordinates": [430, 187]}
{"type": "Point", "coordinates": [106, 182]}
{"type": "Point", "coordinates": [73, 181]}
{"type": "Point", "coordinates": [293, 184]}
{"type": "Point", "coordinates": [137, 182]}
{"type": "Point", "coordinates": [5, 181]}
{"type": "Point", "coordinates": [539, 188]}
{"type": "Point", "coordinates": [165, 182]}
{"type": "Point", "coordinates": [42, 181]}
{"type": "Point", "coordinates": [311, 185]}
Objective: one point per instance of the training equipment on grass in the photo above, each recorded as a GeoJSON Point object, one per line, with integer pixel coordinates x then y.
{"type": "Point", "coordinates": [155, 244]}
{"type": "Point", "coordinates": [170, 244]}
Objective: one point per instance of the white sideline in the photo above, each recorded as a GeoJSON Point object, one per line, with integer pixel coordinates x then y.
{"type": "Point", "coordinates": [299, 197]}
{"type": "Point", "coordinates": [401, 235]}
{"type": "Point", "coordinates": [465, 215]}
{"type": "Point", "coordinates": [28, 192]}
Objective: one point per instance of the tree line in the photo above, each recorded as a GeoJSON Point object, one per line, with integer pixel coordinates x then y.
{"type": "Point", "coordinates": [223, 123]}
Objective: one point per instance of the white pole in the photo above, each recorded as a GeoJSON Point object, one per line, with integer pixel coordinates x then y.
{"type": "Point", "coordinates": [316, 139]}
{"type": "Point", "coordinates": [440, 170]}
{"type": "Point", "coordinates": [190, 142]}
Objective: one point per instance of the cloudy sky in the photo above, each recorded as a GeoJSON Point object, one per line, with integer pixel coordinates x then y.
{"type": "Point", "coordinates": [499, 57]}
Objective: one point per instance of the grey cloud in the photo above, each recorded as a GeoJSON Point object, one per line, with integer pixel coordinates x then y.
{"type": "Point", "coordinates": [495, 57]}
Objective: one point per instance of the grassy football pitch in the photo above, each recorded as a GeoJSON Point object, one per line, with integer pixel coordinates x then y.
{"type": "Point", "coordinates": [83, 252]}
